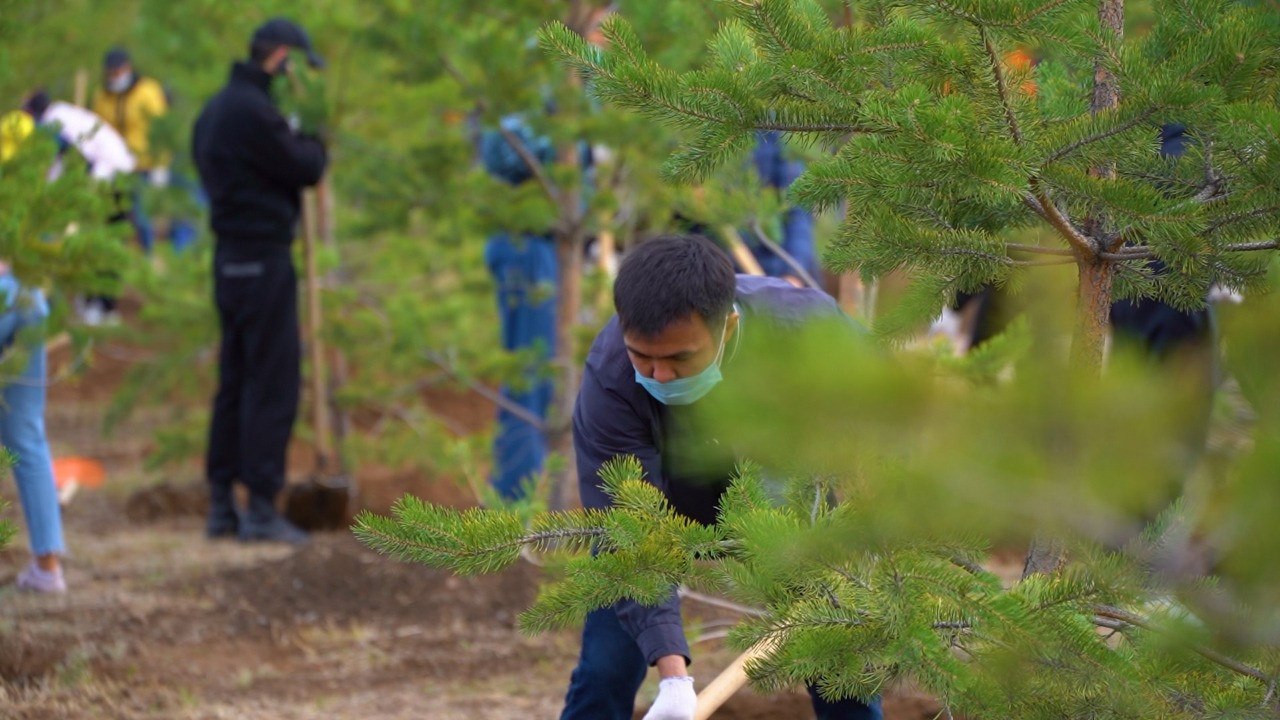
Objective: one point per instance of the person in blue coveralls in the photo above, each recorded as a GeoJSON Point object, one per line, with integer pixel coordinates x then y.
{"type": "Point", "coordinates": [525, 269]}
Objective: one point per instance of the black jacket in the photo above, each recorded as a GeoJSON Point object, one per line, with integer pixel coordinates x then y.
{"type": "Point", "coordinates": [615, 416]}
{"type": "Point", "coordinates": [252, 165]}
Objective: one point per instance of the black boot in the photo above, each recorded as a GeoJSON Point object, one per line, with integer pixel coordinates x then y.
{"type": "Point", "coordinates": [263, 523]}
{"type": "Point", "coordinates": [224, 518]}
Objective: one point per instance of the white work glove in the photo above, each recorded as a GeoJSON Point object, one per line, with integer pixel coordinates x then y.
{"type": "Point", "coordinates": [160, 177]}
{"type": "Point", "coordinates": [1219, 294]}
{"type": "Point", "coordinates": [676, 700]}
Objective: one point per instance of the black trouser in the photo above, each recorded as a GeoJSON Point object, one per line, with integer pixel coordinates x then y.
{"type": "Point", "coordinates": [259, 374]}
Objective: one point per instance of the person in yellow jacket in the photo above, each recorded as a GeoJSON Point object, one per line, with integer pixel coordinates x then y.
{"type": "Point", "coordinates": [15, 127]}
{"type": "Point", "coordinates": [129, 102]}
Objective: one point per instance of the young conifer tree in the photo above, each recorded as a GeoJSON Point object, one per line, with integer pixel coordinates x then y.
{"type": "Point", "coordinates": [945, 163]}
{"type": "Point", "coordinates": [946, 150]}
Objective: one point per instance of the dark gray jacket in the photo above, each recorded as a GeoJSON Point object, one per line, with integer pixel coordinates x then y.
{"type": "Point", "coordinates": [614, 416]}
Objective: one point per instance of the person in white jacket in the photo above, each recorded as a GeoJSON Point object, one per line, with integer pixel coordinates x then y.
{"type": "Point", "coordinates": [108, 158]}
{"type": "Point", "coordinates": [102, 147]}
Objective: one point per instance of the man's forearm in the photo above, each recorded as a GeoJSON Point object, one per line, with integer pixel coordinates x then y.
{"type": "Point", "coordinates": [672, 666]}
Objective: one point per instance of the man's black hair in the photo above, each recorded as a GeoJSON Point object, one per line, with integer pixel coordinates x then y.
{"type": "Point", "coordinates": [666, 279]}
{"type": "Point", "coordinates": [36, 103]}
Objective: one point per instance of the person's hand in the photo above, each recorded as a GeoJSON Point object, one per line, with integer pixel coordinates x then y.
{"type": "Point", "coordinates": [160, 177]}
{"type": "Point", "coordinates": [676, 700]}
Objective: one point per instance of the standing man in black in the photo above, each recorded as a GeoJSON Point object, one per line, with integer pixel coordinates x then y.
{"type": "Point", "coordinates": [254, 168]}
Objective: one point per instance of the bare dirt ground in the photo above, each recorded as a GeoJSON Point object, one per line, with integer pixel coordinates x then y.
{"type": "Point", "coordinates": [161, 623]}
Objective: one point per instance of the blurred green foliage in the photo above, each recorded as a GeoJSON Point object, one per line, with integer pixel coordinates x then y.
{"type": "Point", "coordinates": [408, 88]}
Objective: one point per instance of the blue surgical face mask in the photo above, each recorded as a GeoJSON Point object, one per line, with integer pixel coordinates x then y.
{"type": "Point", "coordinates": [686, 391]}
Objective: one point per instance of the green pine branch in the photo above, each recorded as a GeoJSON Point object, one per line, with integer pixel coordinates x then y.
{"type": "Point", "coordinates": [928, 121]}
{"type": "Point", "coordinates": [845, 612]}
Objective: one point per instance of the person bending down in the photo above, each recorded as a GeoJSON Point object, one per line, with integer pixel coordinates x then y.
{"type": "Point", "coordinates": [677, 338]}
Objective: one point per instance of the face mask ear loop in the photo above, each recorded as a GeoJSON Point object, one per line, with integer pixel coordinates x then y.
{"type": "Point", "coordinates": [737, 333]}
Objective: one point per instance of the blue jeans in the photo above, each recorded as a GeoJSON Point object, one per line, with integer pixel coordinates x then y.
{"type": "Point", "coordinates": [182, 232]}
{"type": "Point", "coordinates": [22, 426]}
{"type": "Point", "coordinates": [525, 271]}
{"type": "Point", "coordinates": [610, 670]}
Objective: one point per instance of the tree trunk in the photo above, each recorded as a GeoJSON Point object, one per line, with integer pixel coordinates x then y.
{"type": "Point", "coordinates": [564, 487]}
{"type": "Point", "coordinates": [1048, 554]}
{"type": "Point", "coordinates": [1045, 557]}
{"type": "Point", "coordinates": [1106, 89]}
{"type": "Point", "coordinates": [1093, 307]}
{"type": "Point", "coordinates": [570, 242]}
{"type": "Point", "coordinates": [1097, 275]}
{"type": "Point", "coordinates": [1093, 315]}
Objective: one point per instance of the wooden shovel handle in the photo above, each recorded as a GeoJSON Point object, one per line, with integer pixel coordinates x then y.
{"type": "Point", "coordinates": [311, 210]}
{"type": "Point", "coordinates": [728, 682]}
{"type": "Point", "coordinates": [740, 252]}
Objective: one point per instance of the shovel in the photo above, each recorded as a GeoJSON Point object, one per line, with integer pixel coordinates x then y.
{"type": "Point", "coordinates": [322, 501]}
{"type": "Point", "coordinates": [729, 681]}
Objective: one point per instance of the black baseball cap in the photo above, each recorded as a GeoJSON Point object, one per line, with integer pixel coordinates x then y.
{"type": "Point", "coordinates": [116, 57]}
{"type": "Point", "coordinates": [286, 32]}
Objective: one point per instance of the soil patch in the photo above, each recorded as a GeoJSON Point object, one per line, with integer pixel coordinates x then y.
{"type": "Point", "coordinates": [336, 579]}
{"type": "Point", "coordinates": [167, 500]}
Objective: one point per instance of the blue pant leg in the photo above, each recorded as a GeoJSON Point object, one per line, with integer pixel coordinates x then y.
{"type": "Point", "coordinates": [609, 672]}
{"type": "Point", "coordinates": [797, 238]}
{"type": "Point", "coordinates": [771, 264]}
{"type": "Point", "coordinates": [519, 448]}
{"type": "Point", "coordinates": [138, 215]}
{"type": "Point", "coordinates": [525, 272]}
{"type": "Point", "coordinates": [183, 231]}
{"type": "Point", "coordinates": [22, 432]}
{"type": "Point", "coordinates": [851, 709]}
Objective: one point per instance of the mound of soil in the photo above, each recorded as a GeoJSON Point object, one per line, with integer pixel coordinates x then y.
{"type": "Point", "coordinates": [336, 579]}
{"type": "Point", "coordinates": [167, 500]}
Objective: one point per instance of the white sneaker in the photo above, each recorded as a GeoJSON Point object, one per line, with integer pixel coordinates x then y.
{"type": "Point", "coordinates": [33, 579]}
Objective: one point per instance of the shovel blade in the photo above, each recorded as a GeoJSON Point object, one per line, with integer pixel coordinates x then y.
{"type": "Point", "coordinates": [319, 503]}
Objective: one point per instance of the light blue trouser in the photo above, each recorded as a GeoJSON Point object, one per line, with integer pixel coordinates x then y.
{"type": "Point", "coordinates": [22, 427]}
